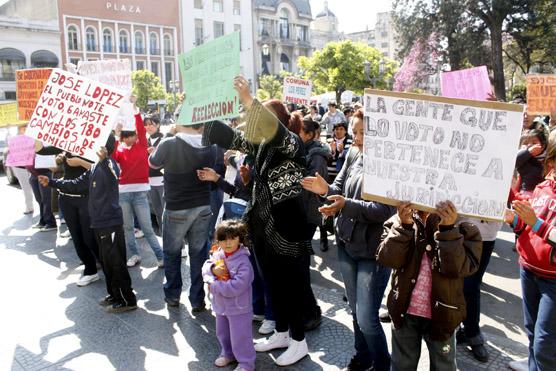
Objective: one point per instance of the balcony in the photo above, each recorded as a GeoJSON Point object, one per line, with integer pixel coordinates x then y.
{"type": "Point", "coordinates": [139, 50]}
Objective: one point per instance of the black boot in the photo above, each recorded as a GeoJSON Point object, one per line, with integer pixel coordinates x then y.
{"type": "Point", "coordinates": [323, 244]}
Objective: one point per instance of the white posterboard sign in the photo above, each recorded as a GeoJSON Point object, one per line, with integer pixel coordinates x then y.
{"type": "Point", "coordinates": [45, 162]}
{"type": "Point", "coordinates": [297, 91]}
{"type": "Point", "coordinates": [426, 149]}
{"type": "Point", "coordinates": [116, 73]}
{"type": "Point", "coordinates": [75, 114]}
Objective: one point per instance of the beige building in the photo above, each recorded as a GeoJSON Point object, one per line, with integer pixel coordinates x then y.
{"type": "Point", "coordinates": [382, 37]}
{"type": "Point", "coordinates": [324, 28]}
{"type": "Point", "coordinates": [281, 34]}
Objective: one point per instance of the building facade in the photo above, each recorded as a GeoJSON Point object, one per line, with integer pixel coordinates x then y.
{"type": "Point", "coordinates": [281, 30]}
{"type": "Point", "coordinates": [324, 28]}
{"type": "Point", "coordinates": [205, 20]}
{"type": "Point", "coordinates": [29, 38]}
{"type": "Point", "coordinates": [382, 37]}
{"type": "Point", "coordinates": [145, 32]}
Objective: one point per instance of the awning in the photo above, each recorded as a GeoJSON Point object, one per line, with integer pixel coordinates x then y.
{"type": "Point", "coordinates": [44, 58]}
{"type": "Point", "coordinates": [11, 54]}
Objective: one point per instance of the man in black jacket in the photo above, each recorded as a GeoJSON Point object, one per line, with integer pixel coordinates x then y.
{"type": "Point", "coordinates": [107, 223]}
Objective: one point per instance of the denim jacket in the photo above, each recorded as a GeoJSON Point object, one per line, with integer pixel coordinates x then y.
{"type": "Point", "coordinates": [234, 296]}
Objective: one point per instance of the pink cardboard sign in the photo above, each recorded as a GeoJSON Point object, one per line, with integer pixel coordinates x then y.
{"type": "Point", "coordinates": [21, 151]}
{"type": "Point", "coordinates": [471, 83]}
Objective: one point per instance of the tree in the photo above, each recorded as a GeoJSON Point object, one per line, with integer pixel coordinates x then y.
{"type": "Point", "coordinates": [340, 66]}
{"type": "Point", "coordinates": [146, 86]}
{"type": "Point", "coordinates": [173, 100]}
{"type": "Point", "coordinates": [421, 62]}
{"type": "Point", "coordinates": [270, 87]}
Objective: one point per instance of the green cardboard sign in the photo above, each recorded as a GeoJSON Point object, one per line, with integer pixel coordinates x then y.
{"type": "Point", "coordinates": [207, 73]}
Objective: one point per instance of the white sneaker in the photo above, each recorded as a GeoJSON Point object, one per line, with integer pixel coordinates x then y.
{"type": "Point", "coordinates": [276, 341]}
{"type": "Point", "coordinates": [296, 351]}
{"type": "Point", "coordinates": [65, 234]}
{"type": "Point", "coordinates": [160, 263]}
{"type": "Point", "coordinates": [133, 261]}
{"type": "Point", "coordinates": [139, 233]}
{"type": "Point", "coordinates": [258, 317]}
{"type": "Point", "coordinates": [85, 280]}
{"type": "Point", "coordinates": [267, 327]}
{"type": "Point", "coordinates": [223, 361]}
{"type": "Point", "coordinates": [521, 365]}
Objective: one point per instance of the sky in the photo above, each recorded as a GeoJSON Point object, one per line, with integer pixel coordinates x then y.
{"type": "Point", "coordinates": [353, 15]}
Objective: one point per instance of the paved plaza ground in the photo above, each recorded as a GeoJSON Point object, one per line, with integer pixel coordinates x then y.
{"type": "Point", "coordinates": [48, 323]}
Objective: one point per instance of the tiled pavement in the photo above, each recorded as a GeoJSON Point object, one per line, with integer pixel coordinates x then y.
{"type": "Point", "coordinates": [48, 323]}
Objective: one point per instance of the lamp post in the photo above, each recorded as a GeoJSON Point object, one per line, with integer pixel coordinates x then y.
{"type": "Point", "coordinates": [367, 70]}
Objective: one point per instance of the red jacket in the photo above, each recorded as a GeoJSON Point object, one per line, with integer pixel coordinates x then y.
{"type": "Point", "coordinates": [537, 249]}
{"type": "Point", "coordinates": [134, 161]}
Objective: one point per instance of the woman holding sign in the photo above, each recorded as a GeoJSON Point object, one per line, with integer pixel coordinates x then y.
{"type": "Point", "coordinates": [358, 232]}
{"type": "Point", "coordinates": [276, 218]}
{"type": "Point", "coordinates": [533, 221]}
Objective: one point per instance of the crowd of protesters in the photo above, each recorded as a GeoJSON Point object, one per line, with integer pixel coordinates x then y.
{"type": "Point", "coordinates": [299, 170]}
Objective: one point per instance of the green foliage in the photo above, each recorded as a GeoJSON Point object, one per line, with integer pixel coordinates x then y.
{"type": "Point", "coordinates": [518, 89]}
{"type": "Point", "coordinates": [270, 87]}
{"type": "Point", "coordinates": [146, 86]}
{"type": "Point", "coordinates": [339, 66]}
{"type": "Point", "coordinates": [173, 100]}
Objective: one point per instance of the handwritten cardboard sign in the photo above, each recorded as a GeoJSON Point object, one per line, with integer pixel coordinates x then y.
{"type": "Point", "coordinates": [470, 83]}
{"type": "Point", "coordinates": [21, 151]}
{"type": "Point", "coordinates": [427, 149]}
{"type": "Point", "coordinates": [541, 94]}
{"type": "Point", "coordinates": [297, 90]}
{"type": "Point", "coordinates": [29, 85]}
{"type": "Point", "coordinates": [116, 73]}
{"type": "Point", "coordinates": [208, 72]}
{"type": "Point", "coordinates": [8, 114]}
{"type": "Point", "coordinates": [75, 113]}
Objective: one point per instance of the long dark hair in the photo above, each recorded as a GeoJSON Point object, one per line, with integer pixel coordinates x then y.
{"type": "Point", "coordinates": [291, 121]}
{"type": "Point", "coordinates": [310, 126]}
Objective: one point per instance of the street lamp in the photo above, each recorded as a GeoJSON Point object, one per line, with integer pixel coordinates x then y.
{"type": "Point", "coordinates": [367, 69]}
{"type": "Point", "coordinates": [265, 49]}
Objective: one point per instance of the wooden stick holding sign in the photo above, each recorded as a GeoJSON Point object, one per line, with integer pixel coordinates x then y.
{"type": "Point", "coordinates": [427, 149]}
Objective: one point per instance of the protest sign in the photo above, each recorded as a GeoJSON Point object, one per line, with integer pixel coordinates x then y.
{"type": "Point", "coordinates": [427, 149]}
{"type": "Point", "coordinates": [541, 94]}
{"type": "Point", "coordinates": [116, 73]}
{"type": "Point", "coordinates": [470, 83]}
{"type": "Point", "coordinates": [347, 96]}
{"type": "Point", "coordinates": [29, 86]}
{"type": "Point", "coordinates": [21, 151]}
{"type": "Point", "coordinates": [297, 91]}
{"type": "Point", "coordinates": [75, 114]}
{"type": "Point", "coordinates": [8, 114]}
{"type": "Point", "coordinates": [45, 162]}
{"type": "Point", "coordinates": [208, 72]}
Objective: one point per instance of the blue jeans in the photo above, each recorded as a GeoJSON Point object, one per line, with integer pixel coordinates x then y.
{"type": "Point", "coordinates": [138, 202]}
{"type": "Point", "coordinates": [539, 315]}
{"type": "Point", "coordinates": [43, 196]}
{"type": "Point", "coordinates": [176, 225]}
{"type": "Point", "coordinates": [365, 282]}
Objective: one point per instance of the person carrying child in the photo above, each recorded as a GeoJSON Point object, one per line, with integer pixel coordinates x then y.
{"type": "Point", "coordinates": [229, 274]}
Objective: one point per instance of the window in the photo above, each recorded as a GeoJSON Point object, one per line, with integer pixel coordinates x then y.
{"type": "Point", "coordinates": [284, 62]}
{"type": "Point", "coordinates": [218, 6]}
{"type": "Point", "coordinates": [107, 44]}
{"type": "Point", "coordinates": [153, 43]}
{"type": "Point", "coordinates": [237, 27]}
{"type": "Point", "coordinates": [140, 65]}
{"type": "Point", "coordinates": [10, 60]}
{"type": "Point", "coordinates": [10, 95]}
{"type": "Point", "coordinates": [91, 39]}
{"type": "Point", "coordinates": [169, 71]}
{"type": "Point", "coordinates": [301, 33]}
{"type": "Point", "coordinates": [198, 31]}
{"type": "Point", "coordinates": [218, 29]}
{"type": "Point", "coordinates": [124, 41]}
{"type": "Point", "coordinates": [73, 38]}
{"type": "Point", "coordinates": [198, 4]}
{"type": "Point", "coordinates": [284, 25]}
{"type": "Point", "coordinates": [237, 7]}
{"type": "Point", "coordinates": [384, 34]}
{"type": "Point", "coordinates": [168, 45]}
{"type": "Point", "coordinates": [139, 43]}
{"type": "Point", "coordinates": [154, 68]}
{"type": "Point", "coordinates": [264, 29]}
{"type": "Point", "coordinates": [384, 45]}
{"type": "Point", "coordinates": [74, 61]}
